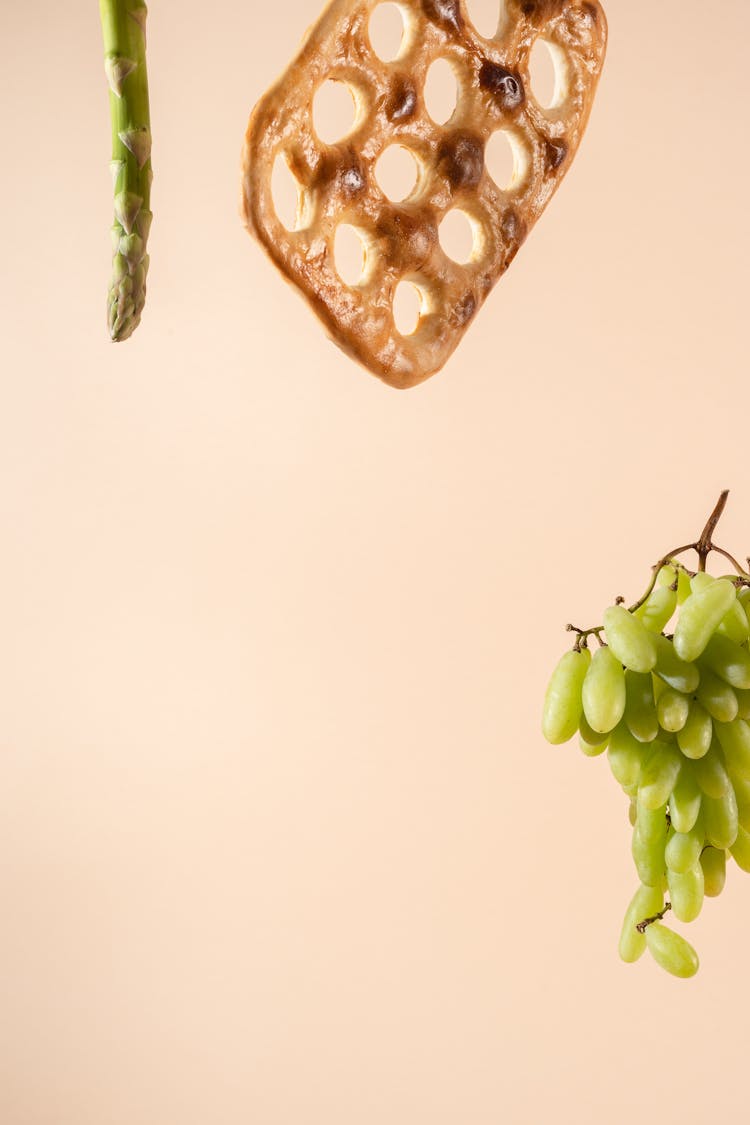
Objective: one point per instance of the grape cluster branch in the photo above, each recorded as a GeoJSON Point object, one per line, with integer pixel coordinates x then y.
{"type": "Point", "coordinates": [666, 695]}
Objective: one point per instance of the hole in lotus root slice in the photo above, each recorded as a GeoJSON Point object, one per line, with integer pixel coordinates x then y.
{"type": "Point", "coordinates": [506, 159]}
{"type": "Point", "coordinates": [441, 91]}
{"type": "Point", "coordinates": [461, 237]}
{"type": "Point", "coordinates": [410, 303]}
{"type": "Point", "coordinates": [290, 200]}
{"type": "Point", "coordinates": [548, 71]}
{"type": "Point", "coordinates": [389, 31]}
{"type": "Point", "coordinates": [351, 252]}
{"type": "Point", "coordinates": [337, 110]}
{"type": "Point", "coordinates": [397, 172]}
{"type": "Point", "coordinates": [485, 15]}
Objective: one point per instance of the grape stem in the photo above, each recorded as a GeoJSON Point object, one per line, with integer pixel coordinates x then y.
{"type": "Point", "coordinates": [641, 927]}
{"type": "Point", "coordinates": [582, 635]}
{"type": "Point", "coordinates": [702, 547]}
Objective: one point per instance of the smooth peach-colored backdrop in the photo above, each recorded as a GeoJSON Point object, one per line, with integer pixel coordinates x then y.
{"type": "Point", "coordinates": [280, 841]}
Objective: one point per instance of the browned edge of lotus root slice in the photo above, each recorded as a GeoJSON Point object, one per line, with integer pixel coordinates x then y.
{"type": "Point", "coordinates": [338, 182]}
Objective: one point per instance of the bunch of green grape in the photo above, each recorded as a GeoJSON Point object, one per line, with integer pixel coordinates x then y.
{"type": "Point", "coordinates": [672, 712]}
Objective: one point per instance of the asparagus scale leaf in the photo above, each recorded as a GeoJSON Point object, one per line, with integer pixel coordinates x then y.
{"type": "Point", "coordinates": [124, 30]}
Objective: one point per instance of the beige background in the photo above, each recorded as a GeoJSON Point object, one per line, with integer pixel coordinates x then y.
{"type": "Point", "coordinates": [280, 841]}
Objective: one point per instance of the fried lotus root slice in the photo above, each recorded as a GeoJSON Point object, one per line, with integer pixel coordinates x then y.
{"type": "Point", "coordinates": [337, 182]}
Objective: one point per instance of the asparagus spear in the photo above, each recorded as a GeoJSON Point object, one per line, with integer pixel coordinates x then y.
{"type": "Point", "coordinates": [124, 28]}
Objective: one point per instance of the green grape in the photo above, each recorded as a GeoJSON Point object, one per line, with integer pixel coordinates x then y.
{"type": "Point", "coordinates": [735, 742]}
{"type": "Point", "coordinates": [672, 710]}
{"type": "Point", "coordinates": [717, 696]}
{"type": "Point", "coordinates": [648, 844]}
{"type": "Point", "coordinates": [676, 672]}
{"type": "Point", "coordinates": [740, 849]}
{"type": "Point", "coordinates": [728, 660]}
{"type": "Point", "coordinates": [563, 703]}
{"type": "Point", "coordinates": [714, 864]}
{"type": "Point", "coordinates": [700, 615]}
{"type": "Point", "coordinates": [640, 709]}
{"type": "Point", "coordinates": [686, 892]}
{"type": "Point", "coordinates": [701, 581]}
{"type": "Point", "coordinates": [721, 819]}
{"type": "Point", "coordinates": [632, 811]}
{"type": "Point", "coordinates": [695, 737]}
{"type": "Point", "coordinates": [743, 598]}
{"type": "Point", "coordinates": [685, 802]}
{"type": "Point", "coordinates": [592, 749]}
{"type": "Point", "coordinates": [657, 609]}
{"type": "Point", "coordinates": [734, 624]}
{"type": "Point", "coordinates": [741, 786]}
{"type": "Point", "coordinates": [671, 951]}
{"type": "Point", "coordinates": [629, 639]}
{"type": "Point", "coordinates": [626, 756]}
{"type": "Point", "coordinates": [653, 825]}
{"type": "Point", "coordinates": [684, 849]}
{"type": "Point", "coordinates": [590, 741]}
{"type": "Point", "coordinates": [648, 862]}
{"type": "Point", "coordinates": [710, 772]}
{"type": "Point", "coordinates": [659, 776]}
{"type": "Point", "coordinates": [743, 704]}
{"type": "Point", "coordinates": [593, 737]}
{"type": "Point", "coordinates": [683, 587]}
{"type": "Point", "coordinates": [645, 903]}
{"type": "Point", "coordinates": [666, 576]}
{"type": "Point", "coordinates": [604, 691]}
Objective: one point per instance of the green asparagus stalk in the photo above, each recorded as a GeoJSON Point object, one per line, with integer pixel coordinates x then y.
{"type": "Point", "coordinates": [124, 28]}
